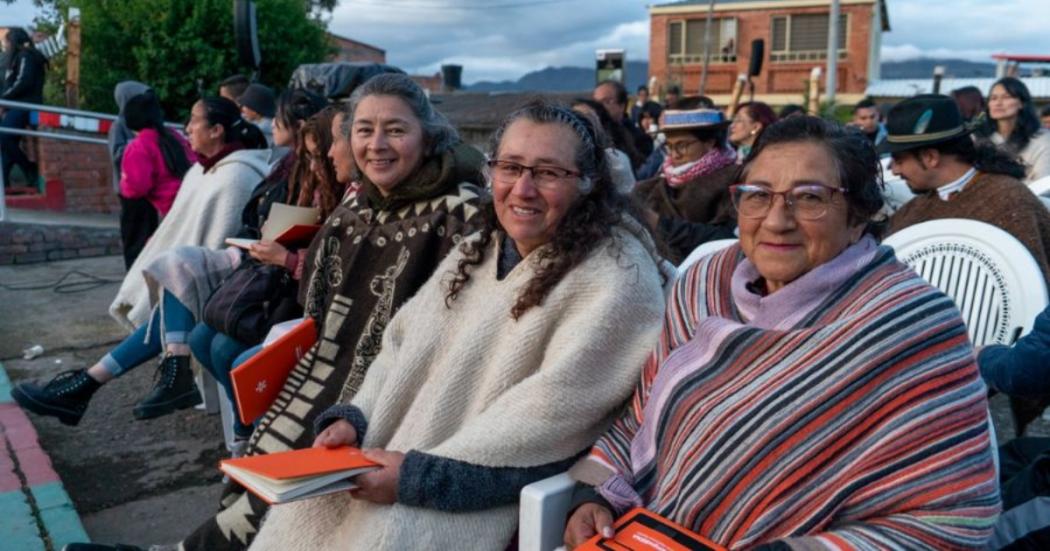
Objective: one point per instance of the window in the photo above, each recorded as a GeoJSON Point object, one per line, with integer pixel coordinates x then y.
{"type": "Point", "coordinates": [685, 41]}
{"type": "Point", "coordinates": [804, 37]}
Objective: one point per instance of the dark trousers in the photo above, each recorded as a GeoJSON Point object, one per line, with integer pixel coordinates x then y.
{"type": "Point", "coordinates": [1024, 470]}
{"type": "Point", "coordinates": [9, 146]}
{"type": "Point", "coordinates": [138, 221]}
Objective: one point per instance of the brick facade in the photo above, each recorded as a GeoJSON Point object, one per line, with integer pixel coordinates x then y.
{"type": "Point", "coordinates": [84, 171]}
{"type": "Point", "coordinates": [352, 50]}
{"type": "Point", "coordinates": [779, 81]}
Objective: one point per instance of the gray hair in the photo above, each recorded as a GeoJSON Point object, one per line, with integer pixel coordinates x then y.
{"type": "Point", "coordinates": [438, 133]}
{"type": "Point", "coordinates": [589, 156]}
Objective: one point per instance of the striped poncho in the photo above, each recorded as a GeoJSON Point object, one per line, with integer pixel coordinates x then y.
{"type": "Point", "coordinates": [843, 411]}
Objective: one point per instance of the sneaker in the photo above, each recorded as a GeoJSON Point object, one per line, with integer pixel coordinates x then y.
{"type": "Point", "coordinates": [173, 390]}
{"type": "Point", "coordinates": [66, 396]}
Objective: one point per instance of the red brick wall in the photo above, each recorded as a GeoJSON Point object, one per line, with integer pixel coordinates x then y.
{"type": "Point", "coordinates": [355, 51]}
{"type": "Point", "coordinates": [780, 77]}
{"type": "Point", "coordinates": [84, 170]}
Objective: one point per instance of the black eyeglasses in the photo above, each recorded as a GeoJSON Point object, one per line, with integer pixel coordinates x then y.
{"type": "Point", "coordinates": [807, 201]}
{"type": "Point", "coordinates": [543, 176]}
{"type": "Point", "coordinates": [681, 148]}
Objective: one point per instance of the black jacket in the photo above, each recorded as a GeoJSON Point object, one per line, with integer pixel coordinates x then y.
{"type": "Point", "coordinates": [24, 80]}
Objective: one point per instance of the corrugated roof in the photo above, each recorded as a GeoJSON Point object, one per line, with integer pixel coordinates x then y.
{"type": "Point", "coordinates": [907, 87]}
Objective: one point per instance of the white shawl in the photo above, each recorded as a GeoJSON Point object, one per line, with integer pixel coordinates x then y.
{"type": "Point", "coordinates": [206, 211]}
{"type": "Point", "coordinates": [472, 384]}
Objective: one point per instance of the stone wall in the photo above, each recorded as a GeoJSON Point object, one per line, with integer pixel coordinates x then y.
{"type": "Point", "coordinates": [28, 243]}
{"type": "Point", "coordinates": [85, 173]}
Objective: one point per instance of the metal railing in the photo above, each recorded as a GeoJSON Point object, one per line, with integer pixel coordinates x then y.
{"type": "Point", "coordinates": [53, 135]}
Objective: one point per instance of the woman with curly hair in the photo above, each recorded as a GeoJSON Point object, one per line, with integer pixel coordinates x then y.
{"type": "Point", "coordinates": [508, 362]}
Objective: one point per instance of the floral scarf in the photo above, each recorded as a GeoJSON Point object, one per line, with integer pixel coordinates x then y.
{"type": "Point", "coordinates": [677, 176]}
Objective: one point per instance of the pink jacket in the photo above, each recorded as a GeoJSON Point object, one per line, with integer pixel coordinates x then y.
{"type": "Point", "coordinates": [144, 174]}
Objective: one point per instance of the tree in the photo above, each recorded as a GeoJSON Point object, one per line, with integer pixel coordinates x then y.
{"type": "Point", "coordinates": [177, 45]}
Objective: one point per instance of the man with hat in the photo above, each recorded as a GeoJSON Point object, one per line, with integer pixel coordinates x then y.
{"type": "Point", "coordinates": [932, 151]}
{"type": "Point", "coordinates": [258, 106]}
{"type": "Point", "coordinates": [689, 199]}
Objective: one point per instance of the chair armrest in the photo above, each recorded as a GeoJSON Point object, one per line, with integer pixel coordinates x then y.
{"type": "Point", "coordinates": [543, 512]}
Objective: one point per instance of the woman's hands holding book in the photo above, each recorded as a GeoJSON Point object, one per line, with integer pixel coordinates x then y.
{"type": "Point", "coordinates": [380, 486]}
{"type": "Point", "coordinates": [586, 521]}
{"type": "Point", "coordinates": [339, 433]}
{"type": "Point", "coordinates": [268, 252]}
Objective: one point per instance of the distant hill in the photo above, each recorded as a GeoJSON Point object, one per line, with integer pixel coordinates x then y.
{"type": "Point", "coordinates": [561, 79]}
{"type": "Point", "coordinates": [576, 79]}
{"type": "Point", "coordinates": [923, 68]}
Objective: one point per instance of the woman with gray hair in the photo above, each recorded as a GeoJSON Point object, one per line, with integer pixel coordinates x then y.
{"type": "Point", "coordinates": [419, 196]}
{"type": "Point", "coordinates": [505, 366]}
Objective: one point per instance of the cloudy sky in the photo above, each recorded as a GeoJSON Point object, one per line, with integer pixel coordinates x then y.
{"type": "Point", "coordinates": [503, 39]}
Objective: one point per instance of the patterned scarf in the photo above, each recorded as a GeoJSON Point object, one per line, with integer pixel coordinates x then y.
{"type": "Point", "coordinates": [710, 162]}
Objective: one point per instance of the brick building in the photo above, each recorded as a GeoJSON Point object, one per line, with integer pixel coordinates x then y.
{"type": "Point", "coordinates": [795, 34]}
{"type": "Point", "coordinates": [352, 50]}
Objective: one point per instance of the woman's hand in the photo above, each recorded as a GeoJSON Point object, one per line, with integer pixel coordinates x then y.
{"type": "Point", "coordinates": [380, 486]}
{"type": "Point", "coordinates": [269, 252]}
{"type": "Point", "coordinates": [339, 433]}
{"type": "Point", "coordinates": [588, 519]}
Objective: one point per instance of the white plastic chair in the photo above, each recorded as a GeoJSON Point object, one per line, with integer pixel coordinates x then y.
{"type": "Point", "coordinates": [993, 279]}
{"type": "Point", "coordinates": [1041, 187]}
{"type": "Point", "coordinates": [543, 512]}
{"type": "Point", "coordinates": [215, 401]}
{"type": "Point", "coordinates": [703, 250]}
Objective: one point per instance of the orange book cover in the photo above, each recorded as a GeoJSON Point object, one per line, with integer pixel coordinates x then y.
{"type": "Point", "coordinates": [298, 474]}
{"type": "Point", "coordinates": [258, 381]}
{"type": "Point", "coordinates": [642, 530]}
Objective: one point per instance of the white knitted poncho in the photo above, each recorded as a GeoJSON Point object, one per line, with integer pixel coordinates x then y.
{"type": "Point", "coordinates": [472, 384]}
{"type": "Point", "coordinates": [206, 211]}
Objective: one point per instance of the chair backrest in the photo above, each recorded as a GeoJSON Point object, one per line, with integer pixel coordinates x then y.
{"type": "Point", "coordinates": [1040, 186]}
{"type": "Point", "coordinates": [993, 279]}
{"type": "Point", "coordinates": [703, 250]}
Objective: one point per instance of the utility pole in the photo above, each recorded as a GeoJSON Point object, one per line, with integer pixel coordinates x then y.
{"type": "Point", "coordinates": [707, 45]}
{"type": "Point", "coordinates": [833, 52]}
{"type": "Point", "coordinates": [73, 59]}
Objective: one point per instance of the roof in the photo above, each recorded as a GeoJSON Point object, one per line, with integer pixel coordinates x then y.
{"type": "Point", "coordinates": [1022, 57]}
{"type": "Point", "coordinates": [345, 39]}
{"type": "Point", "coordinates": [720, 5]}
{"type": "Point", "coordinates": [487, 109]}
{"type": "Point", "coordinates": [907, 87]}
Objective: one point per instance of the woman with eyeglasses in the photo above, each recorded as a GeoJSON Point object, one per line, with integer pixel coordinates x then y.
{"type": "Point", "coordinates": [505, 367]}
{"type": "Point", "coordinates": [809, 391]}
{"type": "Point", "coordinates": [688, 202]}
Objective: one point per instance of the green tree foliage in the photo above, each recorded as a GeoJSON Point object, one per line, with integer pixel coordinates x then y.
{"type": "Point", "coordinates": [177, 45]}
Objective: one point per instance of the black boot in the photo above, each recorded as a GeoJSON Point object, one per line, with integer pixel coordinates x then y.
{"type": "Point", "coordinates": [66, 396]}
{"type": "Point", "coordinates": [174, 389]}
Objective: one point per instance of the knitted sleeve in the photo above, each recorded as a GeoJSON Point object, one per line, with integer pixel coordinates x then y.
{"type": "Point", "coordinates": [1021, 369]}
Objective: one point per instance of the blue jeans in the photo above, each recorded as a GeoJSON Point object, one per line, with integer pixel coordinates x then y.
{"type": "Point", "coordinates": [146, 342]}
{"type": "Point", "coordinates": [218, 353]}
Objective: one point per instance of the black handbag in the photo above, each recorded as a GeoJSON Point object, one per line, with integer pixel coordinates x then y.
{"type": "Point", "coordinates": [252, 299]}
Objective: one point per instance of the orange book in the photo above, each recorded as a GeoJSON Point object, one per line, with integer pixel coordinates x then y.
{"type": "Point", "coordinates": [298, 474]}
{"type": "Point", "coordinates": [258, 381]}
{"type": "Point", "coordinates": [642, 530]}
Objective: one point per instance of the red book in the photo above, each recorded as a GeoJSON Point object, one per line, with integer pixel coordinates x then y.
{"type": "Point", "coordinates": [641, 530]}
{"type": "Point", "coordinates": [258, 381]}
{"type": "Point", "coordinates": [295, 237]}
{"type": "Point", "coordinates": [298, 474]}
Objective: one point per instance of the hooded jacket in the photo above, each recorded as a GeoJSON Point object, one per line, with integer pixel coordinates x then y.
{"type": "Point", "coordinates": [119, 134]}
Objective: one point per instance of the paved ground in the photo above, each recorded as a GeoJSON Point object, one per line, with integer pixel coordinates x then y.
{"type": "Point", "coordinates": [136, 482]}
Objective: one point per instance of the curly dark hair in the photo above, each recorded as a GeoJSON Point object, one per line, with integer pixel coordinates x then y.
{"type": "Point", "coordinates": [321, 181]}
{"type": "Point", "coordinates": [857, 162]}
{"type": "Point", "coordinates": [585, 227]}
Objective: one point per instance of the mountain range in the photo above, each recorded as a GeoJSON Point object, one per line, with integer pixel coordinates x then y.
{"type": "Point", "coordinates": [570, 79]}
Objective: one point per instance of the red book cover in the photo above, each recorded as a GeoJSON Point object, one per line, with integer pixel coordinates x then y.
{"type": "Point", "coordinates": [299, 234]}
{"type": "Point", "coordinates": [642, 530]}
{"type": "Point", "coordinates": [258, 381]}
{"type": "Point", "coordinates": [298, 474]}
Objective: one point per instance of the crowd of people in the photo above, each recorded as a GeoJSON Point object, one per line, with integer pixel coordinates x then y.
{"type": "Point", "coordinates": [486, 320]}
